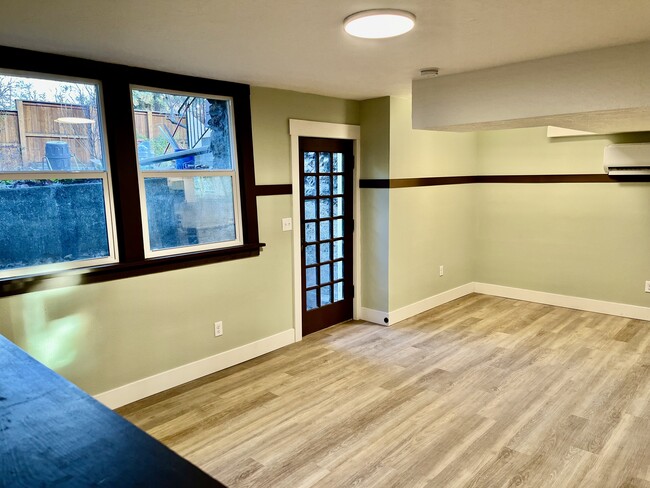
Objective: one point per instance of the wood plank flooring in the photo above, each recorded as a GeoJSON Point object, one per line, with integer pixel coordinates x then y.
{"type": "Point", "coordinates": [480, 392]}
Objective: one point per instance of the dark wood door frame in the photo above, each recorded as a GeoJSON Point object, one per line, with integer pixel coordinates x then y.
{"type": "Point", "coordinates": [307, 128]}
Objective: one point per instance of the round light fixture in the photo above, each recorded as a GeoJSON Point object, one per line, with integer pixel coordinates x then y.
{"type": "Point", "coordinates": [379, 23]}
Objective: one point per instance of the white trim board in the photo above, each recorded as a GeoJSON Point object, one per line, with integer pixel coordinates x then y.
{"type": "Point", "coordinates": [578, 303]}
{"type": "Point", "coordinates": [429, 303]}
{"type": "Point", "coordinates": [390, 318]}
{"type": "Point", "coordinates": [151, 385]}
{"type": "Point", "coordinates": [308, 128]}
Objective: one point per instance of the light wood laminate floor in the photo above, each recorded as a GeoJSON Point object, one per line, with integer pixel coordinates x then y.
{"type": "Point", "coordinates": [480, 392]}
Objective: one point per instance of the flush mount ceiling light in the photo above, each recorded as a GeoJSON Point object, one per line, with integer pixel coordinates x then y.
{"type": "Point", "coordinates": [379, 23]}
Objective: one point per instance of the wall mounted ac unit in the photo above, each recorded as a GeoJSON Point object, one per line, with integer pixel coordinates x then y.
{"type": "Point", "coordinates": [627, 159]}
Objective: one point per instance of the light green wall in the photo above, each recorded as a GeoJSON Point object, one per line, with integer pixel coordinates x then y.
{"type": "Point", "coordinates": [429, 227]}
{"type": "Point", "coordinates": [375, 155]}
{"type": "Point", "coordinates": [375, 138]}
{"type": "Point", "coordinates": [588, 240]}
{"type": "Point", "coordinates": [433, 225]}
{"type": "Point", "coordinates": [105, 335]}
{"type": "Point", "coordinates": [415, 153]}
{"type": "Point", "coordinates": [271, 110]}
{"type": "Point", "coordinates": [583, 240]}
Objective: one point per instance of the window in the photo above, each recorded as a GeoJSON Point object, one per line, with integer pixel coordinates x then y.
{"type": "Point", "coordinates": [55, 198]}
{"type": "Point", "coordinates": [179, 192]}
{"type": "Point", "coordinates": [187, 171]}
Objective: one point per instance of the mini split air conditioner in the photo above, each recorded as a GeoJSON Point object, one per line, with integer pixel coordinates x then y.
{"type": "Point", "coordinates": [627, 159]}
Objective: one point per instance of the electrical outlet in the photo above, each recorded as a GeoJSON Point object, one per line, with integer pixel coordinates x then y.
{"type": "Point", "coordinates": [442, 270]}
{"type": "Point", "coordinates": [647, 286]}
{"type": "Point", "coordinates": [218, 329]}
{"type": "Point", "coordinates": [287, 224]}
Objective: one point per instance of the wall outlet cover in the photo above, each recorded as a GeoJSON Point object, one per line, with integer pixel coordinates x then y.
{"type": "Point", "coordinates": [647, 286]}
{"type": "Point", "coordinates": [218, 329]}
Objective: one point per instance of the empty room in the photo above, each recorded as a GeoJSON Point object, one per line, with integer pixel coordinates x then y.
{"type": "Point", "coordinates": [325, 244]}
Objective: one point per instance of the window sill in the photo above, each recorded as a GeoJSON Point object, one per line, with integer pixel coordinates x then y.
{"type": "Point", "coordinates": [110, 272]}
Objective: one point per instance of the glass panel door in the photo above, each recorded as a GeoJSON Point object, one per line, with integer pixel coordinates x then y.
{"type": "Point", "coordinates": [326, 226]}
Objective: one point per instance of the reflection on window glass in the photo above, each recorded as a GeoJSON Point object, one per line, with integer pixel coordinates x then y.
{"type": "Point", "coordinates": [326, 273]}
{"type": "Point", "coordinates": [50, 129]}
{"type": "Point", "coordinates": [175, 134]}
{"type": "Point", "coordinates": [338, 270]}
{"type": "Point", "coordinates": [310, 277]}
{"type": "Point", "coordinates": [310, 232]}
{"type": "Point", "coordinates": [325, 252]}
{"type": "Point", "coordinates": [325, 208]}
{"type": "Point", "coordinates": [48, 125]}
{"type": "Point", "coordinates": [183, 132]}
{"type": "Point", "coordinates": [325, 295]}
{"type": "Point", "coordinates": [310, 254]}
{"type": "Point", "coordinates": [310, 209]}
{"type": "Point", "coordinates": [189, 211]}
{"type": "Point", "coordinates": [310, 162]}
{"type": "Point", "coordinates": [324, 185]}
{"type": "Point", "coordinates": [324, 160]}
{"type": "Point", "coordinates": [325, 230]}
{"type": "Point", "coordinates": [338, 163]}
{"type": "Point", "coordinates": [51, 221]}
{"type": "Point", "coordinates": [312, 301]}
{"type": "Point", "coordinates": [310, 186]}
{"type": "Point", "coordinates": [338, 291]}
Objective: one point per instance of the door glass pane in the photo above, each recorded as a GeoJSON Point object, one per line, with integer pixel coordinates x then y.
{"type": "Point", "coordinates": [326, 273]}
{"type": "Point", "coordinates": [310, 255]}
{"type": "Point", "coordinates": [310, 186]}
{"type": "Point", "coordinates": [338, 228]}
{"type": "Point", "coordinates": [338, 291]}
{"type": "Point", "coordinates": [325, 252]}
{"type": "Point", "coordinates": [325, 230]}
{"type": "Point", "coordinates": [310, 232]}
{"type": "Point", "coordinates": [326, 207]}
{"type": "Point", "coordinates": [324, 162]}
{"type": "Point", "coordinates": [310, 162]}
{"type": "Point", "coordinates": [338, 270]}
{"type": "Point", "coordinates": [312, 300]}
{"type": "Point", "coordinates": [325, 185]}
{"type": "Point", "coordinates": [310, 277]}
{"type": "Point", "coordinates": [338, 249]}
{"type": "Point", "coordinates": [338, 207]}
{"type": "Point", "coordinates": [184, 211]}
{"type": "Point", "coordinates": [338, 163]}
{"type": "Point", "coordinates": [325, 295]}
{"type": "Point", "coordinates": [338, 185]}
{"type": "Point", "coordinates": [310, 209]}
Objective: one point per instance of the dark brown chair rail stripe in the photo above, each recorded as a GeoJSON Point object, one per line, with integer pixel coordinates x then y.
{"type": "Point", "coordinates": [286, 189]}
{"type": "Point", "coordinates": [265, 190]}
{"type": "Point", "coordinates": [460, 180]}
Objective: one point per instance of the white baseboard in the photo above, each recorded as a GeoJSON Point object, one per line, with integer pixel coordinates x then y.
{"type": "Point", "coordinates": [379, 317]}
{"type": "Point", "coordinates": [168, 379]}
{"type": "Point", "coordinates": [429, 303]}
{"type": "Point", "coordinates": [578, 303]}
{"type": "Point", "coordinates": [374, 316]}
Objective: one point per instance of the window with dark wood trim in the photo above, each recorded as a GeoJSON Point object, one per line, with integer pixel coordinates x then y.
{"type": "Point", "coordinates": [116, 82]}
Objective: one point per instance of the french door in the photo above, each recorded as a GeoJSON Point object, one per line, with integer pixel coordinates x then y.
{"type": "Point", "coordinates": [326, 226]}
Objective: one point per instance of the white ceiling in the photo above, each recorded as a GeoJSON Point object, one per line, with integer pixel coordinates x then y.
{"type": "Point", "coordinates": [301, 45]}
